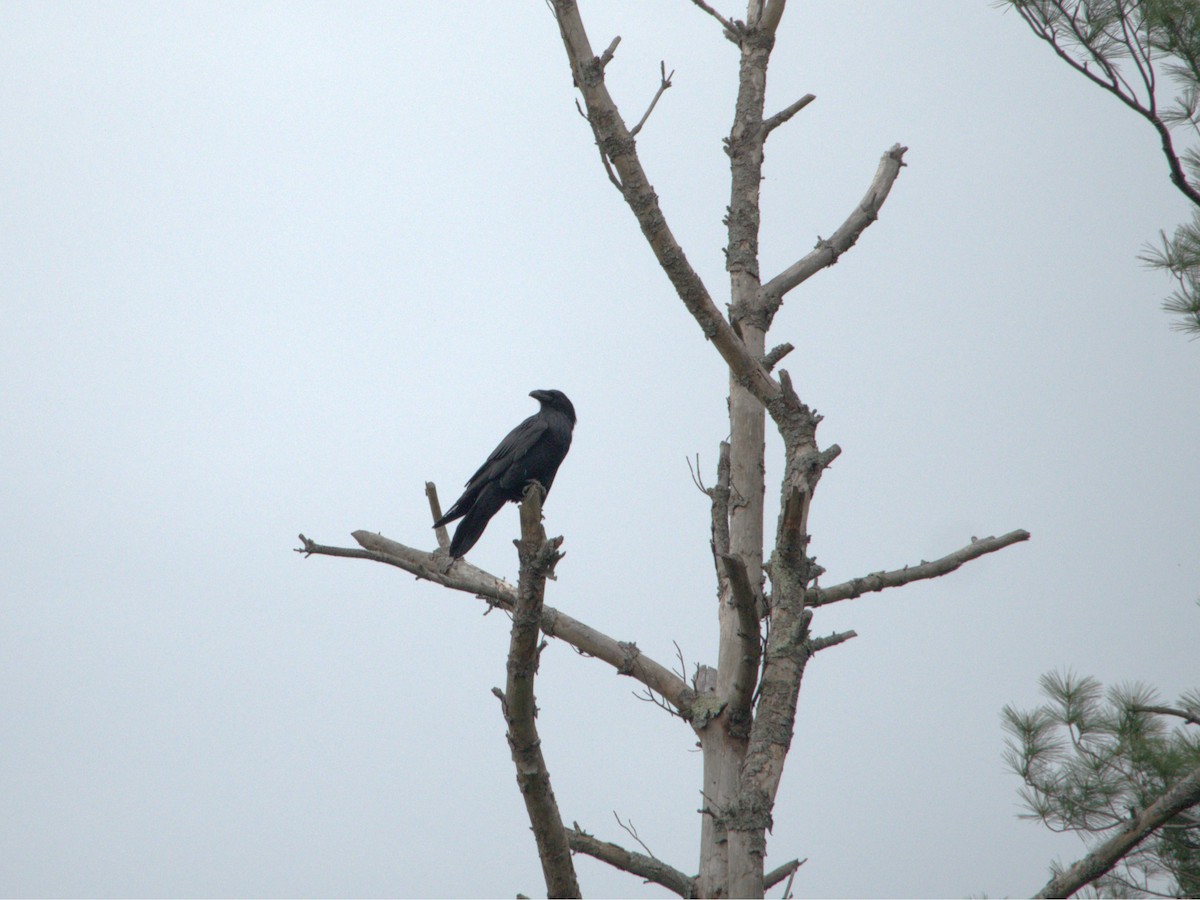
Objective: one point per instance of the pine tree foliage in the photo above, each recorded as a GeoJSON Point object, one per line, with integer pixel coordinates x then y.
{"type": "Point", "coordinates": [1093, 759]}
{"type": "Point", "coordinates": [1147, 54]}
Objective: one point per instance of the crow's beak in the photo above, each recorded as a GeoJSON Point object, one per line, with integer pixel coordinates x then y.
{"type": "Point", "coordinates": [540, 396]}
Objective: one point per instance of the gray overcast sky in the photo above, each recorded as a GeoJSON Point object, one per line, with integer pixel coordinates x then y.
{"type": "Point", "coordinates": [266, 268]}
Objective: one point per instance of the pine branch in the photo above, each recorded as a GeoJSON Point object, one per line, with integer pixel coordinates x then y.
{"type": "Point", "coordinates": [1183, 795]}
{"type": "Point", "coordinates": [1041, 24]}
{"type": "Point", "coordinates": [878, 581]}
{"type": "Point", "coordinates": [1188, 717]}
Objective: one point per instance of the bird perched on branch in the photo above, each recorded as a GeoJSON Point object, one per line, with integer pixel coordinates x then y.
{"type": "Point", "coordinates": [533, 451]}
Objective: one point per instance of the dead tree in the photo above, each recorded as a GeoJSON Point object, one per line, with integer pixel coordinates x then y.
{"type": "Point", "coordinates": [743, 709]}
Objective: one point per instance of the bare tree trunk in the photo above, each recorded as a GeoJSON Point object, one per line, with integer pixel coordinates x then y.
{"type": "Point", "coordinates": [724, 742]}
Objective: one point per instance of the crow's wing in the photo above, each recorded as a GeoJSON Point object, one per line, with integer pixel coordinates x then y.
{"type": "Point", "coordinates": [516, 445]}
{"type": "Point", "coordinates": [498, 469]}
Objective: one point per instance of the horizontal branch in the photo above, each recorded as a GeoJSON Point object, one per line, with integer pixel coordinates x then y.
{"type": "Point", "coordinates": [832, 640]}
{"type": "Point", "coordinates": [639, 864]}
{"type": "Point", "coordinates": [1184, 794]}
{"type": "Point", "coordinates": [625, 657]}
{"type": "Point", "coordinates": [1188, 717]}
{"type": "Point", "coordinates": [878, 581]}
{"type": "Point", "coordinates": [828, 250]}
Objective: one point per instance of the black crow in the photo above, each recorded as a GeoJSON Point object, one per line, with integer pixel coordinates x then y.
{"type": "Point", "coordinates": [533, 451]}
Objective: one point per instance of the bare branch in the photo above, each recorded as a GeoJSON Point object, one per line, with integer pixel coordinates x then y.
{"type": "Point", "coordinates": [647, 867]}
{"type": "Point", "coordinates": [1184, 794]}
{"type": "Point", "coordinates": [663, 85]}
{"type": "Point", "coordinates": [630, 830]}
{"type": "Point", "coordinates": [745, 679]}
{"type": "Point", "coordinates": [462, 576]}
{"type": "Point", "coordinates": [773, 122]}
{"type": "Point", "coordinates": [832, 640]}
{"type": "Point", "coordinates": [720, 496]}
{"type": "Point", "coordinates": [435, 507]}
{"type": "Point", "coordinates": [771, 16]}
{"type": "Point", "coordinates": [827, 252]}
{"type": "Point", "coordinates": [878, 581]}
{"type": "Point", "coordinates": [607, 55]}
{"type": "Point", "coordinates": [731, 30]}
{"type": "Point", "coordinates": [538, 557]}
{"type": "Point", "coordinates": [772, 359]}
{"type": "Point", "coordinates": [787, 870]}
{"type": "Point", "coordinates": [619, 148]}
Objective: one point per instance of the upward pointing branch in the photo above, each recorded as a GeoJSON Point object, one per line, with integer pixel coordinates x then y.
{"type": "Point", "coordinates": [828, 250]}
{"type": "Point", "coordinates": [538, 558]}
{"type": "Point", "coordinates": [617, 146]}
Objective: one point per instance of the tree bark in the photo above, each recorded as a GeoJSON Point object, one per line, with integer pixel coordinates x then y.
{"type": "Point", "coordinates": [538, 557]}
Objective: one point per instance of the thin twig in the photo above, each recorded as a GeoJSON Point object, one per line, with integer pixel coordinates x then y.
{"type": "Point", "coordinates": [649, 868]}
{"type": "Point", "coordinates": [632, 832]}
{"type": "Point", "coordinates": [662, 87]}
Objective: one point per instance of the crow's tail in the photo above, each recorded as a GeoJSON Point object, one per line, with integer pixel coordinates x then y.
{"type": "Point", "coordinates": [470, 529]}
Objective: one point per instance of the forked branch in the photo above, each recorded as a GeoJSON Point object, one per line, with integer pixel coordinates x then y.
{"type": "Point", "coordinates": [462, 576]}
{"type": "Point", "coordinates": [878, 581]}
{"type": "Point", "coordinates": [664, 83]}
